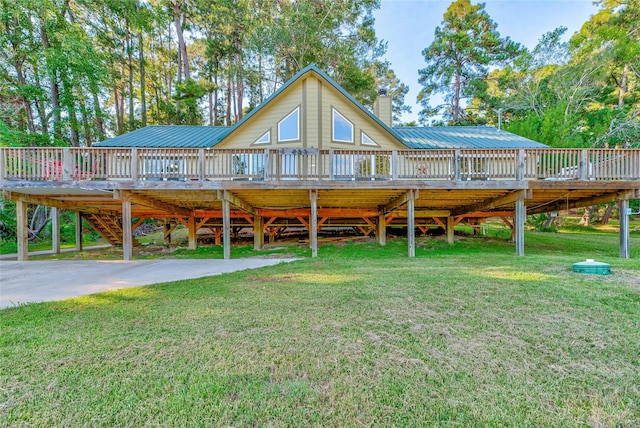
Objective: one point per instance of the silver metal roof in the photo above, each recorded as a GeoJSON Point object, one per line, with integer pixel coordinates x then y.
{"type": "Point", "coordinates": [463, 137]}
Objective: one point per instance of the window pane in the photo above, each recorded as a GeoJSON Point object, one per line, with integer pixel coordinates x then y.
{"type": "Point", "coordinates": [289, 127]}
{"type": "Point", "coordinates": [366, 141]}
{"type": "Point", "coordinates": [265, 139]}
{"type": "Point", "coordinates": [342, 128]}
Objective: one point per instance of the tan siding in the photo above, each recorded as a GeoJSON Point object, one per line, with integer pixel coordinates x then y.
{"type": "Point", "coordinates": [312, 112]}
{"type": "Point", "coordinates": [320, 98]}
{"type": "Point", "coordinates": [362, 122]}
{"type": "Point", "coordinates": [265, 119]}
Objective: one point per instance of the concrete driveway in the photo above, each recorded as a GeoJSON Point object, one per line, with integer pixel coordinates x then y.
{"type": "Point", "coordinates": [42, 281]}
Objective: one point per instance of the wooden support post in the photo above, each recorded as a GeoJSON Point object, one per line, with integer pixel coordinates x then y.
{"type": "Point", "coordinates": [411, 221]}
{"type": "Point", "coordinates": [127, 233]}
{"type": "Point", "coordinates": [55, 230]}
{"type": "Point", "coordinates": [193, 237]}
{"type": "Point", "coordinates": [450, 226]}
{"type": "Point", "coordinates": [381, 232]}
{"type": "Point", "coordinates": [22, 231]}
{"type": "Point", "coordinates": [78, 231]}
{"type": "Point", "coordinates": [167, 232]}
{"type": "Point", "coordinates": [313, 223]}
{"type": "Point", "coordinates": [226, 229]}
{"type": "Point", "coordinates": [520, 218]}
{"type": "Point", "coordinates": [625, 247]}
{"type": "Point", "coordinates": [258, 232]}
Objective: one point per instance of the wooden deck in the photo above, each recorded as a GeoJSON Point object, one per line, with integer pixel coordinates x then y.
{"type": "Point", "coordinates": [273, 189]}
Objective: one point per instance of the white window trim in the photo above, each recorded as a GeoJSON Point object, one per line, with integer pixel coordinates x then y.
{"type": "Point", "coordinates": [258, 142]}
{"type": "Point", "coordinates": [296, 110]}
{"type": "Point", "coordinates": [333, 127]}
{"type": "Point", "coordinates": [363, 136]}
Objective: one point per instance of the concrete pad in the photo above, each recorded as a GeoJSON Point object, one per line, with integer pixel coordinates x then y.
{"type": "Point", "coordinates": [48, 280]}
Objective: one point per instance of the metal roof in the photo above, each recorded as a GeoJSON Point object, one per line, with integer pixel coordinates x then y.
{"type": "Point", "coordinates": [463, 137]}
{"type": "Point", "coordinates": [169, 136]}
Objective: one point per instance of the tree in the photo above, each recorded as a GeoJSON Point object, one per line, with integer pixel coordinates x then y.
{"type": "Point", "coordinates": [465, 46]}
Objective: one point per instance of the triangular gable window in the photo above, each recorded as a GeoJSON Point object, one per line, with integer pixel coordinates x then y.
{"type": "Point", "coordinates": [342, 128]}
{"type": "Point", "coordinates": [289, 127]}
{"type": "Point", "coordinates": [367, 141]}
{"type": "Point", "coordinates": [265, 139]}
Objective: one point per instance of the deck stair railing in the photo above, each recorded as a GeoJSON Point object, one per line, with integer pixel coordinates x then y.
{"type": "Point", "coordinates": [137, 164]}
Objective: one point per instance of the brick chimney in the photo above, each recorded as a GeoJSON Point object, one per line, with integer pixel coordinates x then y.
{"type": "Point", "coordinates": [382, 107]}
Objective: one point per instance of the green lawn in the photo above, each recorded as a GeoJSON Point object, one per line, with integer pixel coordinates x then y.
{"type": "Point", "coordinates": [467, 335]}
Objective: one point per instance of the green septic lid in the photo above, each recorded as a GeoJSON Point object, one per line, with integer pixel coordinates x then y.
{"type": "Point", "coordinates": [591, 266]}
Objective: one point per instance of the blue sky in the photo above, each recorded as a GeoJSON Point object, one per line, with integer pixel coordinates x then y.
{"type": "Point", "coordinates": [408, 27]}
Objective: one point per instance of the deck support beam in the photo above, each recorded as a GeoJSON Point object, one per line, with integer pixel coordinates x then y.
{"type": "Point", "coordinates": [411, 222]}
{"type": "Point", "coordinates": [313, 223]}
{"type": "Point", "coordinates": [22, 232]}
{"type": "Point", "coordinates": [258, 232]}
{"type": "Point", "coordinates": [127, 236]}
{"type": "Point", "coordinates": [520, 218]}
{"type": "Point", "coordinates": [226, 195]}
{"type": "Point", "coordinates": [78, 231]}
{"type": "Point", "coordinates": [381, 232]}
{"type": "Point", "coordinates": [193, 237]}
{"type": "Point", "coordinates": [449, 229]}
{"type": "Point", "coordinates": [55, 230]}
{"type": "Point", "coordinates": [226, 229]}
{"type": "Point", "coordinates": [625, 247]}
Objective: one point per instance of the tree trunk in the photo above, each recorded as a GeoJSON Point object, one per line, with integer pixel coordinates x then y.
{"type": "Point", "coordinates": [55, 89]}
{"type": "Point", "coordinates": [98, 112]}
{"type": "Point", "coordinates": [623, 86]}
{"type": "Point", "coordinates": [129, 49]}
{"type": "Point", "coordinates": [143, 92]}
{"type": "Point", "coordinates": [455, 113]}
{"type": "Point", "coordinates": [70, 101]}
{"type": "Point", "coordinates": [550, 219]}
{"type": "Point", "coordinates": [116, 103]}
{"type": "Point", "coordinates": [182, 47]}
{"type": "Point", "coordinates": [88, 139]}
{"type": "Point", "coordinates": [228, 102]}
{"type": "Point", "coordinates": [607, 215]}
{"type": "Point", "coordinates": [586, 217]}
{"type": "Point", "coordinates": [239, 84]}
{"type": "Point", "coordinates": [215, 100]}
{"type": "Point", "coordinates": [40, 107]}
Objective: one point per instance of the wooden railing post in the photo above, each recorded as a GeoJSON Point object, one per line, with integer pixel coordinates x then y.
{"type": "Point", "coordinates": [201, 164]}
{"type": "Point", "coordinates": [394, 165]}
{"type": "Point", "coordinates": [3, 164]}
{"type": "Point", "coordinates": [134, 164]}
{"type": "Point", "coordinates": [266, 165]}
{"type": "Point", "coordinates": [583, 166]}
{"type": "Point", "coordinates": [67, 165]}
{"type": "Point", "coordinates": [331, 164]}
{"type": "Point", "coordinates": [520, 165]}
{"type": "Point", "coordinates": [456, 164]}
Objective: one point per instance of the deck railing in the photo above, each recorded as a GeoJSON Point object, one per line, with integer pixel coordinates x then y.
{"type": "Point", "coordinates": [68, 164]}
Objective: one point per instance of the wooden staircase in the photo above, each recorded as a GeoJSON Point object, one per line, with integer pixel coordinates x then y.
{"type": "Point", "coordinates": [109, 227]}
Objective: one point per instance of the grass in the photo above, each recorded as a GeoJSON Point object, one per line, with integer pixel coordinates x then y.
{"type": "Point", "coordinates": [463, 335]}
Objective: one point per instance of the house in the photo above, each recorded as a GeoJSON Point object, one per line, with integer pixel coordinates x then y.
{"type": "Point", "coordinates": [311, 156]}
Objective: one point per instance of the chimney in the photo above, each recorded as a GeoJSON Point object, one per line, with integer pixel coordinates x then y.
{"type": "Point", "coordinates": [382, 107]}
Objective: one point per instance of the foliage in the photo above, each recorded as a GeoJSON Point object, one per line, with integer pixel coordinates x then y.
{"type": "Point", "coordinates": [78, 72]}
{"type": "Point", "coordinates": [458, 60]}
